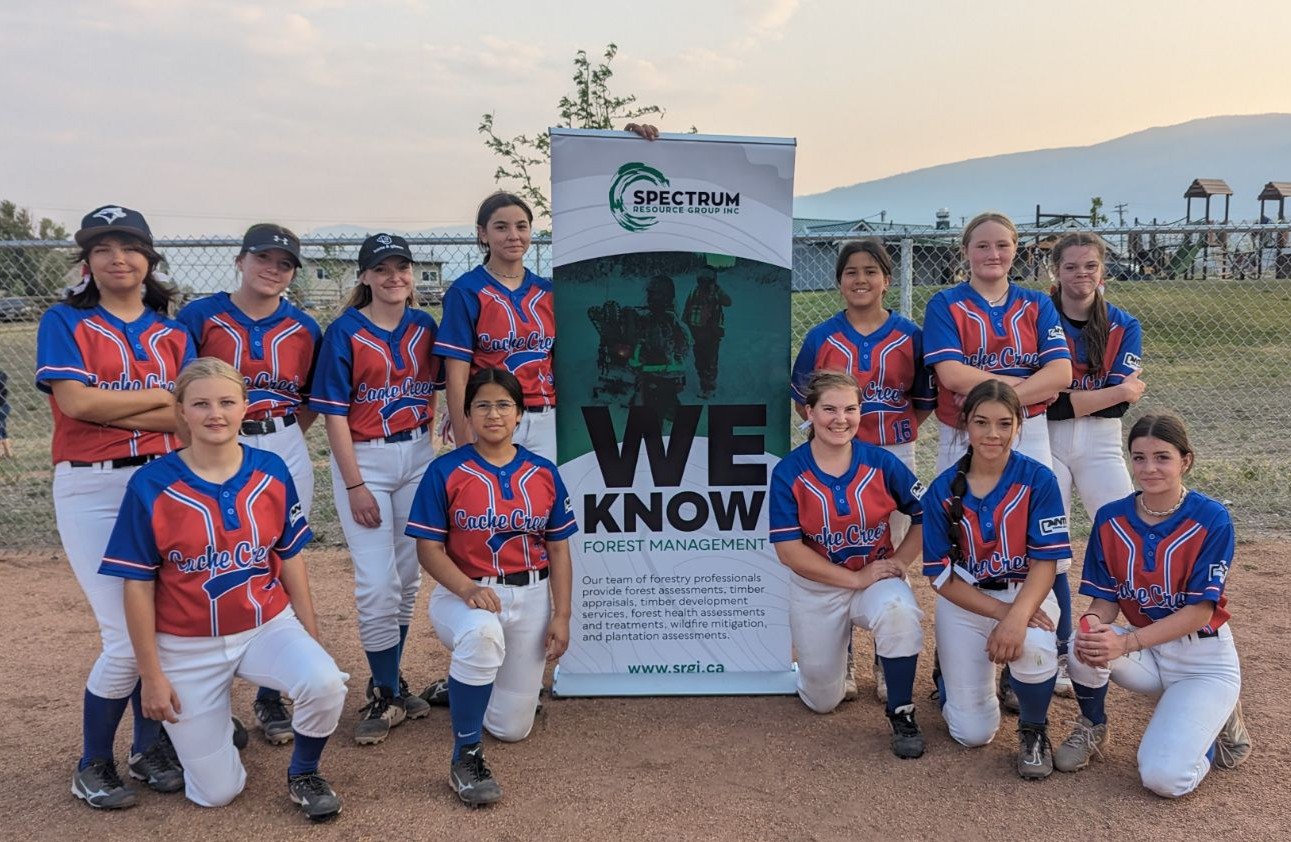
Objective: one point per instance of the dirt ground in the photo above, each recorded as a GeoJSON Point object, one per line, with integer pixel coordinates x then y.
{"type": "Point", "coordinates": [670, 768]}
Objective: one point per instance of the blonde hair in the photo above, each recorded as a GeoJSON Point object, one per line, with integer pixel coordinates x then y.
{"type": "Point", "coordinates": [203, 367]}
{"type": "Point", "coordinates": [989, 216]}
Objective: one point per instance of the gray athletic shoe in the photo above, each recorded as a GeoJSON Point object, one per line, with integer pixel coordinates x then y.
{"type": "Point", "coordinates": [471, 779]}
{"type": "Point", "coordinates": [880, 683]}
{"type": "Point", "coordinates": [1233, 745]}
{"type": "Point", "coordinates": [1062, 684]}
{"type": "Point", "coordinates": [101, 787]}
{"type": "Point", "coordinates": [436, 693]}
{"type": "Point", "coordinates": [240, 735]}
{"type": "Point", "coordinates": [315, 796]}
{"type": "Point", "coordinates": [907, 739]}
{"type": "Point", "coordinates": [1035, 754]}
{"type": "Point", "coordinates": [378, 717]}
{"type": "Point", "coordinates": [274, 720]}
{"type": "Point", "coordinates": [850, 691]}
{"type": "Point", "coordinates": [1004, 690]}
{"type": "Point", "coordinates": [415, 707]}
{"type": "Point", "coordinates": [158, 767]}
{"type": "Point", "coordinates": [1085, 742]}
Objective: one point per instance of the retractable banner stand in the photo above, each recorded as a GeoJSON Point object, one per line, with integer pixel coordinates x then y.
{"type": "Point", "coordinates": [671, 261]}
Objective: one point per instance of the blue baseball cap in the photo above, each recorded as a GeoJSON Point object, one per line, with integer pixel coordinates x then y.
{"type": "Point", "coordinates": [113, 219]}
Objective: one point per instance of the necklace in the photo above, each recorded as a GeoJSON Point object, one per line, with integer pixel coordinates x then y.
{"type": "Point", "coordinates": [995, 302]}
{"type": "Point", "coordinates": [1183, 492]}
{"type": "Point", "coordinates": [503, 274]}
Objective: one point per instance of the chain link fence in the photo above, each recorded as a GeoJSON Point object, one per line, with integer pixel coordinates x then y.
{"type": "Point", "coordinates": [1214, 302]}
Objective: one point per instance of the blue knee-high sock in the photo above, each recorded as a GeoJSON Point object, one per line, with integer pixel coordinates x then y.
{"type": "Point", "coordinates": [146, 731]}
{"type": "Point", "coordinates": [268, 694]}
{"type": "Point", "coordinates": [938, 679]}
{"type": "Point", "coordinates": [99, 720]}
{"type": "Point", "coordinates": [403, 638]}
{"type": "Point", "coordinates": [385, 668]}
{"type": "Point", "coordinates": [1062, 593]}
{"type": "Point", "coordinates": [1033, 700]}
{"type": "Point", "coordinates": [305, 754]}
{"type": "Point", "coordinates": [899, 675]}
{"type": "Point", "coordinates": [1091, 701]}
{"type": "Point", "coordinates": [466, 705]}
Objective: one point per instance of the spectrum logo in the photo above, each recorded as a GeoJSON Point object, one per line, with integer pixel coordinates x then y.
{"type": "Point", "coordinates": [639, 195]}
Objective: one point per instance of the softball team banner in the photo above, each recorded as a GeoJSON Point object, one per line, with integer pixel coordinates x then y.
{"type": "Point", "coordinates": [671, 263]}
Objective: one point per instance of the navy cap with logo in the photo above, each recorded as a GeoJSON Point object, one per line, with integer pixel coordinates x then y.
{"type": "Point", "coordinates": [266, 236]}
{"type": "Point", "coordinates": [113, 219]}
{"type": "Point", "coordinates": [380, 246]}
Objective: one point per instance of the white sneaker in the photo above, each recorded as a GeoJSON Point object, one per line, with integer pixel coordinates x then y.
{"type": "Point", "coordinates": [1062, 687]}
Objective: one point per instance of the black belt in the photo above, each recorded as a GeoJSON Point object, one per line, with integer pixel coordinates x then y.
{"type": "Point", "coordinates": [993, 585]}
{"type": "Point", "coordinates": [1203, 634]}
{"type": "Point", "coordinates": [266, 426]}
{"type": "Point", "coordinates": [127, 462]}
{"type": "Point", "coordinates": [539, 407]}
{"type": "Point", "coordinates": [406, 435]}
{"type": "Point", "coordinates": [524, 577]}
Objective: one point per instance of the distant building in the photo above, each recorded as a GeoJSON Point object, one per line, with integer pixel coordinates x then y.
{"type": "Point", "coordinates": [935, 257]}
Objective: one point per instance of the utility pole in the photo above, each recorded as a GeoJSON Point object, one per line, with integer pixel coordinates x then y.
{"type": "Point", "coordinates": [1120, 213]}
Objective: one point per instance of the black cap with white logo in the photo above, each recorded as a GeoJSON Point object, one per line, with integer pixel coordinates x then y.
{"type": "Point", "coordinates": [113, 219]}
{"type": "Point", "coordinates": [380, 246]}
{"type": "Point", "coordinates": [266, 236]}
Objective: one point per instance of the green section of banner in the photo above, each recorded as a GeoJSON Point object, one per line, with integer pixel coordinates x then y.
{"type": "Point", "coordinates": [666, 329]}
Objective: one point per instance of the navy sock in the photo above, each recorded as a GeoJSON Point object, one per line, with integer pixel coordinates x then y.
{"type": "Point", "coordinates": [146, 731]}
{"type": "Point", "coordinates": [466, 705]}
{"type": "Point", "coordinates": [1210, 754]}
{"type": "Point", "coordinates": [403, 638]}
{"type": "Point", "coordinates": [268, 694]}
{"type": "Point", "coordinates": [938, 679]}
{"type": "Point", "coordinates": [99, 720]}
{"type": "Point", "coordinates": [305, 754]}
{"type": "Point", "coordinates": [899, 675]}
{"type": "Point", "coordinates": [1062, 593]}
{"type": "Point", "coordinates": [1033, 700]}
{"type": "Point", "coordinates": [385, 668]}
{"type": "Point", "coordinates": [1091, 700]}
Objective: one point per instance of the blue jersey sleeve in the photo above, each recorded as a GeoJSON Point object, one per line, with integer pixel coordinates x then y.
{"type": "Point", "coordinates": [1129, 357]}
{"type": "Point", "coordinates": [560, 523]}
{"type": "Point", "coordinates": [1049, 333]}
{"type": "Point", "coordinates": [936, 532]}
{"type": "Point", "coordinates": [132, 548]}
{"type": "Point", "coordinates": [923, 391]}
{"type": "Point", "coordinates": [1096, 579]}
{"type": "Point", "coordinates": [941, 339]}
{"type": "Point", "coordinates": [784, 506]}
{"type": "Point", "coordinates": [428, 518]}
{"type": "Point", "coordinates": [192, 319]}
{"type": "Point", "coordinates": [1047, 536]}
{"type": "Point", "coordinates": [461, 310]}
{"type": "Point", "coordinates": [333, 383]}
{"type": "Point", "coordinates": [57, 355]}
{"type": "Point", "coordinates": [1210, 570]}
{"type": "Point", "coordinates": [804, 365]}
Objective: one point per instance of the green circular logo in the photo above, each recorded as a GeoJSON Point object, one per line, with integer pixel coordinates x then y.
{"type": "Point", "coordinates": [628, 176]}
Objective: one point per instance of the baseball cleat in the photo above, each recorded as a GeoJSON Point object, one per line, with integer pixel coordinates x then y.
{"type": "Point", "coordinates": [274, 720]}
{"type": "Point", "coordinates": [158, 767]}
{"type": "Point", "coordinates": [1035, 753]}
{"type": "Point", "coordinates": [1004, 690]}
{"type": "Point", "coordinates": [1062, 686]}
{"type": "Point", "coordinates": [1085, 742]}
{"type": "Point", "coordinates": [1233, 745]}
{"type": "Point", "coordinates": [240, 735]}
{"type": "Point", "coordinates": [315, 796]}
{"type": "Point", "coordinates": [471, 779]}
{"type": "Point", "coordinates": [436, 693]}
{"type": "Point", "coordinates": [880, 682]}
{"type": "Point", "coordinates": [907, 739]}
{"type": "Point", "coordinates": [415, 707]}
{"type": "Point", "coordinates": [384, 712]}
{"type": "Point", "coordinates": [99, 785]}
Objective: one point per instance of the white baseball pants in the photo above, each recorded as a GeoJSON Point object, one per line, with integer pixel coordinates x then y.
{"type": "Point", "coordinates": [289, 443]}
{"type": "Point", "coordinates": [1087, 453]}
{"type": "Point", "coordinates": [899, 523]}
{"type": "Point", "coordinates": [537, 432]}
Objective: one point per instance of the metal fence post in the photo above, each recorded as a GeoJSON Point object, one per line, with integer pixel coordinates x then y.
{"type": "Point", "coordinates": [907, 278]}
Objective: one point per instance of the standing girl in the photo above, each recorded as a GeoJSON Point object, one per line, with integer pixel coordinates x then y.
{"type": "Point", "coordinates": [207, 542]}
{"type": "Point", "coordinates": [831, 503]}
{"type": "Point", "coordinates": [501, 315]}
{"type": "Point", "coordinates": [492, 523]}
{"type": "Point", "coordinates": [274, 345]}
{"type": "Point", "coordinates": [375, 385]}
{"type": "Point", "coordinates": [108, 357]}
{"type": "Point", "coordinates": [883, 350]}
{"type": "Point", "coordinates": [1106, 345]}
{"type": "Point", "coordinates": [1161, 558]}
{"type": "Point", "coordinates": [993, 529]}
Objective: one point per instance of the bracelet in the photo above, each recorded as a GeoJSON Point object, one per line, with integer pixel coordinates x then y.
{"type": "Point", "coordinates": [1137, 642]}
{"type": "Point", "coordinates": [355, 485]}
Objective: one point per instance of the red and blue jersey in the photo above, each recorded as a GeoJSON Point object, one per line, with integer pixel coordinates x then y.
{"type": "Point", "coordinates": [1022, 519]}
{"type": "Point", "coordinates": [275, 354]}
{"type": "Point", "coordinates": [215, 551]}
{"type": "Point", "coordinates": [844, 519]}
{"type": "Point", "coordinates": [383, 380]}
{"type": "Point", "coordinates": [1016, 339]}
{"type": "Point", "coordinates": [888, 365]}
{"type": "Point", "coordinates": [491, 326]}
{"type": "Point", "coordinates": [492, 520]}
{"type": "Point", "coordinates": [1151, 571]}
{"type": "Point", "coordinates": [94, 347]}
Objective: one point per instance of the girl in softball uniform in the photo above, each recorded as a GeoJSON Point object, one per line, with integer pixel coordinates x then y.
{"type": "Point", "coordinates": [1160, 558]}
{"type": "Point", "coordinates": [1106, 345]}
{"type": "Point", "coordinates": [108, 356]}
{"type": "Point", "coordinates": [993, 528]}
{"type": "Point", "coordinates": [374, 385]}
{"type": "Point", "coordinates": [883, 350]}
{"type": "Point", "coordinates": [274, 344]}
{"type": "Point", "coordinates": [207, 543]}
{"type": "Point", "coordinates": [831, 504]}
{"type": "Point", "coordinates": [501, 315]}
{"type": "Point", "coordinates": [492, 523]}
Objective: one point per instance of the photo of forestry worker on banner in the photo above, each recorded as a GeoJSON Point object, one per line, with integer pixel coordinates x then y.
{"type": "Point", "coordinates": [672, 274]}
